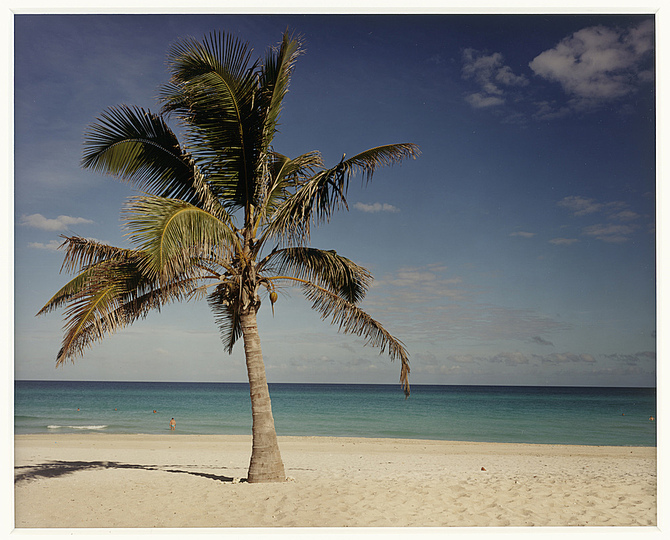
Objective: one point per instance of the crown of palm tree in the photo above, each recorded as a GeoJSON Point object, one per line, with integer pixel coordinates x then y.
{"type": "Point", "coordinates": [223, 216]}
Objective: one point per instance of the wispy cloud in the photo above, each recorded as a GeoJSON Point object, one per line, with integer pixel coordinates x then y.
{"type": "Point", "coordinates": [518, 358]}
{"type": "Point", "coordinates": [50, 246]}
{"type": "Point", "coordinates": [625, 215]}
{"type": "Point", "coordinates": [61, 223]}
{"type": "Point", "coordinates": [427, 304]}
{"type": "Point", "coordinates": [563, 358]}
{"type": "Point", "coordinates": [515, 358]}
{"type": "Point", "coordinates": [420, 284]}
{"type": "Point", "coordinates": [491, 75]}
{"type": "Point", "coordinates": [375, 207]}
{"type": "Point", "coordinates": [510, 358]}
{"type": "Point", "coordinates": [523, 234]}
{"type": "Point", "coordinates": [611, 233]}
{"type": "Point", "coordinates": [479, 100]}
{"type": "Point", "coordinates": [614, 212]}
{"type": "Point", "coordinates": [597, 65]}
{"type": "Point", "coordinates": [633, 359]}
{"type": "Point", "coordinates": [582, 206]}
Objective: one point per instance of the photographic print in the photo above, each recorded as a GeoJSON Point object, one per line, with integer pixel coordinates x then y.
{"type": "Point", "coordinates": [334, 270]}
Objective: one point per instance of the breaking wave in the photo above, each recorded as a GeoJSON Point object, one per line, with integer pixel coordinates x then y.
{"type": "Point", "coordinates": [78, 427]}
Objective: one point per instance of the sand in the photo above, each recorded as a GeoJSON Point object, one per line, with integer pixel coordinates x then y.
{"type": "Point", "coordinates": [173, 480]}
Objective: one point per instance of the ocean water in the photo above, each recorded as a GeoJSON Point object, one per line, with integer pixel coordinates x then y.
{"type": "Point", "coordinates": [518, 414]}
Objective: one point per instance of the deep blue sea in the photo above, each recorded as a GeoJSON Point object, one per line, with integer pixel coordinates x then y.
{"type": "Point", "coordinates": [519, 414]}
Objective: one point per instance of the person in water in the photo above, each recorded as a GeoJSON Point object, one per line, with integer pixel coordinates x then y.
{"type": "Point", "coordinates": [173, 424]}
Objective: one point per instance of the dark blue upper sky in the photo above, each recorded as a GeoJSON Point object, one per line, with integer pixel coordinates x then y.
{"type": "Point", "coordinates": [518, 249]}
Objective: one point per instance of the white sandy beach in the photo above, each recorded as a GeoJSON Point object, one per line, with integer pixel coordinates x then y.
{"type": "Point", "coordinates": [173, 480]}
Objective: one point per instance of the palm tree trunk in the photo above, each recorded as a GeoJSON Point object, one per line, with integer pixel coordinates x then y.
{"type": "Point", "coordinates": [266, 463]}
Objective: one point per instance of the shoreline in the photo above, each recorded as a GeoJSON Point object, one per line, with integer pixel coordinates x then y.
{"type": "Point", "coordinates": [176, 480]}
{"type": "Point", "coordinates": [237, 437]}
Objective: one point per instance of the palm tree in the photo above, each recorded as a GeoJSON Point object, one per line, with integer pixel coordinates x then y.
{"type": "Point", "coordinates": [224, 217]}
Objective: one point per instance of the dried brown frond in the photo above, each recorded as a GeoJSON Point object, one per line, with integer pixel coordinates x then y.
{"type": "Point", "coordinates": [350, 319]}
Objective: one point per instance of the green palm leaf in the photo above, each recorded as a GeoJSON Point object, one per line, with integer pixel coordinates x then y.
{"type": "Point", "coordinates": [319, 196]}
{"type": "Point", "coordinates": [274, 83]}
{"type": "Point", "coordinates": [213, 90]}
{"type": "Point", "coordinates": [325, 268]}
{"type": "Point", "coordinates": [174, 234]}
{"type": "Point", "coordinates": [367, 162]}
{"type": "Point", "coordinates": [138, 146]}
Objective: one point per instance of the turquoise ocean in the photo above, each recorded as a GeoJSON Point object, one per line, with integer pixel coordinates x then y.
{"type": "Point", "coordinates": [516, 414]}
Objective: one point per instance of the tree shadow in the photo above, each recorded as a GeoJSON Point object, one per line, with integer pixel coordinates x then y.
{"type": "Point", "coordinates": [54, 469]}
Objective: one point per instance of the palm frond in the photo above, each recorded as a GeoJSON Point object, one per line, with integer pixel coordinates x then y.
{"type": "Point", "coordinates": [284, 175]}
{"type": "Point", "coordinates": [213, 90]}
{"type": "Point", "coordinates": [188, 59]}
{"type": "Point", "coordinates": [319, 196]}
{"type": "Point", "coordinates": [138, 146]}
{"type": "Point", "coordinates": [82, 253]}
{"type": "Point", "coordinates": [87, 258]}
{"type": "Point", "coordinates": [274, 83]}
{"type": "Point", "coordinates": [92, 314]}
{"type": "Point", "coordinates": [368, 161]}
{"type": "Point", "coordinates": [350, 319]}
{"type": "Point", "coordinates": [112, 295]}
{"type": "Point", "coordinates": [111, 291]}
{"type": "Point", "coordinates": [325, 268]}
{"type": "Point", "coordinates": [174, 234]}
{"type": "Point", "coordinates": [226, 315]}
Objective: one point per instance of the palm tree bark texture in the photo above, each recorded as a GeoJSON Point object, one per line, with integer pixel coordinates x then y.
{"type": "Point", "coordinates": [222, 216]}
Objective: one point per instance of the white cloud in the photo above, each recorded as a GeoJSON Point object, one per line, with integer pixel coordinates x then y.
{"type": "Point", "coordinates": [625, 215]}
{"type": "Point", "coordinates": [492, 76]}
{"type": "Point", "coordinates": [549, 110]}
{"type": "Point", "coordinates": [634, 359]}
{"type": "Point", "coordinates": [616, 211]}
{"type": "Point", "coordinates": [416, 285]}
{"type": "Point", "coordinates": [610, 232]}
{"type": "Point", "coordinates": [51, 246]}
{"type": "Point", "coordinates": [580, 206]}
{"type": "Point", "coordinates": [479, 100]}
{"type": "Point", "coordinates": [510, 358]}
{"type": "Point", "coordinates": [563, 358]}
{"type": "Point", "coordinates": [598, 64]}
{"type": "Point", "coordinates": [462, 358]}
{"type": "Point", "coordinates": [523, 234]}
{"type": "Point", "coordinates": [61, 223]}
{"type": "Point", "coordinates": [375, 207]}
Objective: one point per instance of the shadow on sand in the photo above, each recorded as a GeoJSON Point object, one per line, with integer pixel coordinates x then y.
{"type": "Point", "coordinates": [54, 469]}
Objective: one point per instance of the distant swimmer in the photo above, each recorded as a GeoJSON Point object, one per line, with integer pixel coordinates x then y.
{"type": "Point", "coordinates": [651, 418]}
{"type": "Point", "coordinates": [173, 424]}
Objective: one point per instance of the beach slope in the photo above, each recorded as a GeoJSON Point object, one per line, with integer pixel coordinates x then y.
{"type": "Point", "coordinates": [173, 480]}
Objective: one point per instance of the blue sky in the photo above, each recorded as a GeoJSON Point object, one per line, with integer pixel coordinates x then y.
{"type": "Point", "coordinates": [518, 249]}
